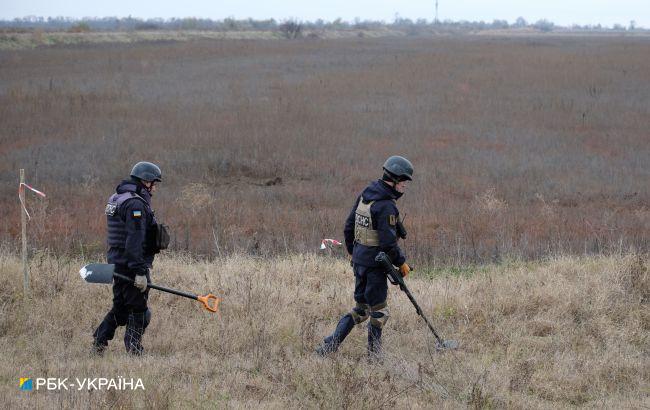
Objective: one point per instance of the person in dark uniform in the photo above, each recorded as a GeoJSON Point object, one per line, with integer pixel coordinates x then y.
{"type": "Point", "coordinates": [373, 226]}
{"type": "Point", "coordinates": [131, 232]}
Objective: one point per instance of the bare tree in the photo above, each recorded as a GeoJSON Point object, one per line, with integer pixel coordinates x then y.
{"type": "Point", "coordinates": [291, 29]}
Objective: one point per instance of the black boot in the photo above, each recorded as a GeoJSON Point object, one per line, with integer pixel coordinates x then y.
{"type": "Point", "coordinates": [106, 329]}
{"type": "Point", "coordinates": [331, 343]}
{"type": "Point", "coordinates": [374, 343]}
{"type": "Point", "coordinates": [98, 349]}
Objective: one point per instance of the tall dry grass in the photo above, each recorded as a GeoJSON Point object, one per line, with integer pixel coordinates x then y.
{"type": "Point", "coordinates": [558, 333]}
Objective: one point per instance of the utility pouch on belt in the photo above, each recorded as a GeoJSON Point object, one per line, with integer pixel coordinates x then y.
{"type": "Point", "coordinates": [158, 238]}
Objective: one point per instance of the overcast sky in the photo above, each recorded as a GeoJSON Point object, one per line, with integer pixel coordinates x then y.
{"type": "Point", "coordinates": [563, 12]}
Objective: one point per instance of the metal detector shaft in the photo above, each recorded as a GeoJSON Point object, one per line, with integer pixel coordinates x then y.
{"type": "Point", "coordinates": [419, 310]}
{"type": "Point", "coordinates": [395, 278]}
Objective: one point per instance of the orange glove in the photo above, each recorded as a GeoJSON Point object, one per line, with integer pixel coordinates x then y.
{"type": "Point", "coordinates": [405, 269]}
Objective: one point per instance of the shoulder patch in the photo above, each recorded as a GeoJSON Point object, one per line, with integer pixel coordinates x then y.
{"type": "Point", "coordinates": [110, 209]}
{"type": "Point", "coordinates": [137, 214]}
{"type": "Point", "coordinates": [392, 220]}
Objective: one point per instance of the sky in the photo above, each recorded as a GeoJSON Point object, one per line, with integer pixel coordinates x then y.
{"type": "Point", "coordinates": [562, 12]}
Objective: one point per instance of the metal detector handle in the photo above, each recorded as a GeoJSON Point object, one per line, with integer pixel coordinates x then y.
{"type": "Point", "coordinates": [393, 275]}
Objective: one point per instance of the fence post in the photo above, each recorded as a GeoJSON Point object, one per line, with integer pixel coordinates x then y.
{"type": "Point", "coordinates": [23, 221]}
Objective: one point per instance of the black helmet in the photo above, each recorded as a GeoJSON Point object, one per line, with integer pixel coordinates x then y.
{"type": "Point", "coordinates": [146, 171]}
{"type": "Point", "coordinates": [399, 168]}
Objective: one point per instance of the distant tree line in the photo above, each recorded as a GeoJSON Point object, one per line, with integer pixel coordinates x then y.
{"type": "Point", "coordinates": [290, 28]}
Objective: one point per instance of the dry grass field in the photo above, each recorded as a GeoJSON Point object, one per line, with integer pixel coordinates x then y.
{"type": "Point", "coordinates": [523, 147]}
{"type": "Point", "coordinates": [558, 333]}
{"type": "Point", "coordinates": [528, 219]}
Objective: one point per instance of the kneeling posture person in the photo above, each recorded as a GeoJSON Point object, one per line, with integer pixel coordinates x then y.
{"type": "Point", "coordinates": [372, 227]}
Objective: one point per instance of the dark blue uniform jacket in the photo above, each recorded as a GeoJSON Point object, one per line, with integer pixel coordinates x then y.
{"type": "Point", "coordinates": [384, 196]}
{"type": "Point", "coordinates": [128, 250]}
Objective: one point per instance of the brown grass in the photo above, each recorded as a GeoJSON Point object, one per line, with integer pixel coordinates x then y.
{"type": "Point", "coordinates": [555, 334]}
{"type": "Point", "coordinates": [523, 147]}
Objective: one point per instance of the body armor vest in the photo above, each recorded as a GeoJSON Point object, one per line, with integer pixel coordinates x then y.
{"type": "Point", "coordinates": [116, 226]}
{"type": "Point", "coordinates": [363, 232]}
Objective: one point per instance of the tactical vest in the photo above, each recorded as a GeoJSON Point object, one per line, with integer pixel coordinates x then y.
{"type": "Point", "coordinates": [363, 232]}
{"type": "Point", "coordinates": [116, 226]}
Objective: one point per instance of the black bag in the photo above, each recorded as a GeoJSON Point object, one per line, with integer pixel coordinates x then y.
{"type": "Point", "coordinates": [158, 238]}
{"type": "Point", "coordinates": [162, 237]}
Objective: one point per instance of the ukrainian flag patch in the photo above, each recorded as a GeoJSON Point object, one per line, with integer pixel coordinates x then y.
{"type": "Point", "coordinates": [137, 214]}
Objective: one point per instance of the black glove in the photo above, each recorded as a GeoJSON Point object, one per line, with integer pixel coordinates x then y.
{"type": "Point", "coordinates": [401, 230]}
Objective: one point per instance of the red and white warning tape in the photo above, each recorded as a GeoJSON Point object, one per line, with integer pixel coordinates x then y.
{"type": "Point", "coordinates": [324, 242]}
{"type": "Point", "coordinates": [21, 189]}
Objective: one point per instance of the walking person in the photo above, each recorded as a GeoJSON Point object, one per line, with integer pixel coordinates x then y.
{"type": "Point", "coordinates": [133, 240]}
{"type": "Point", "coordinates": [373, 226]}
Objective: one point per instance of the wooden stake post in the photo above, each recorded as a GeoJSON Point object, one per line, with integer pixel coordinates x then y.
{"type": "Point", "coordinates": [23, 221]}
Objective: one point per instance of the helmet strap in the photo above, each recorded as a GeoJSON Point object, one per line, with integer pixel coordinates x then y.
{"type": "Point", "coordinates": [141, 185]}
{"type": "Point", "coordinates": [390, 178]}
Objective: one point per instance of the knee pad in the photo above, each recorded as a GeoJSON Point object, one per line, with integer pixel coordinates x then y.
{"type": "Point", "coordinates": [360, 313]}
{"type": "Point", "coordinates": [379, 315]}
